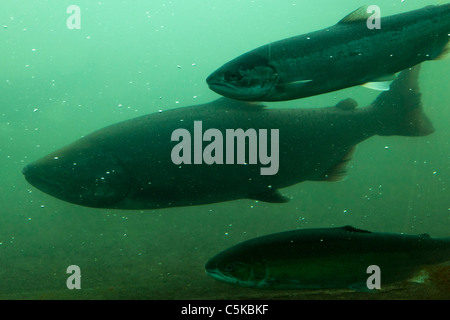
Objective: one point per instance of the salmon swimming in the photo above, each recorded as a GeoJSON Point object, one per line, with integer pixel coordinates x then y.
{"type": "Point", "coordinates": [130, 165]}
{"type": "Point", "coordinates": [327, 258]}
{"type": "Point", "coordinates": [341, 56]}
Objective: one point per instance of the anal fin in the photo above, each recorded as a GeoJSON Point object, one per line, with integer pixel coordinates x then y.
{"type": "Point", "coordinates": [445, 53]}
{"type": "Point", "coordinates": [339, 171]}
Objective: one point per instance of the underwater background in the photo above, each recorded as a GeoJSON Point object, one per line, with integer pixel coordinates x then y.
{"type": "Point", "coordinates": [134, 57]}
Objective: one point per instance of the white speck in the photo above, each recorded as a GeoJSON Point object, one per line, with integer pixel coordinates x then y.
{"type": "Point", "coordinates": [34, 50]}
{"type": "Point", "coordinates": [56, 158]}
{"type": "Point", "coordinates": [386, 147]}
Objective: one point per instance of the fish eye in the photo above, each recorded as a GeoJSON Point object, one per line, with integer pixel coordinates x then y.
{"type": "Point", "coordinates": [233, 76]}
{"type": "Point", "coordinates": [229, 267]}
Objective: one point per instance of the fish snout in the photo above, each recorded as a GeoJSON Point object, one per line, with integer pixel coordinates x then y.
{"type": "Point", "coordinates": [26, 170]}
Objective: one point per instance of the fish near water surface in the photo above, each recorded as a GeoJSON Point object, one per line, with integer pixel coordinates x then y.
{"type": "Point", "coordinates": [341, 56]}
{"type": "Point", "coordinates": [326, 258]}
{"type": "Point", "coordinates": [129, 165]}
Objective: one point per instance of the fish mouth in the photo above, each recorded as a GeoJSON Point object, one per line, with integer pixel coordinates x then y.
{"type": "Point", "coordinates": [40, 182]}
{"type": "Point", "coordinates": [221, 87]}
{"type": "Point", "coordinates": [218, 275]}
{"type": "Point", "coordinates": [230, 91]}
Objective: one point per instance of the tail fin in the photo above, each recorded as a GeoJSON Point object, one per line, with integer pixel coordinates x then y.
{"type": "Point", "coordinates": [399, 110]}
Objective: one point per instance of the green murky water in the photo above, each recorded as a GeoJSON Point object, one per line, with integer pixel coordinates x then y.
{"type": "Point", "coordinates": [136, 57]}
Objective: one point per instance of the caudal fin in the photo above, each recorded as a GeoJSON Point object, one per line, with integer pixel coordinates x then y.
{"type": "Point", "coordinates": [399, 110]}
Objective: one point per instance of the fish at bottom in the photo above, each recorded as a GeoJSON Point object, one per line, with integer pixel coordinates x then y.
{"type": "Point", "coordinates": [327, 258]}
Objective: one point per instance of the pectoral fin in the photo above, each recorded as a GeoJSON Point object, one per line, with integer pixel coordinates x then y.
{"type": "Point", "coordinates": [382, 83]}
{"type": "Point", "coordinates": [380, 86]}
{"type": "Point", "coordinates": [272, 195]}
{"type": "Point", "coordinates": [292, 86]}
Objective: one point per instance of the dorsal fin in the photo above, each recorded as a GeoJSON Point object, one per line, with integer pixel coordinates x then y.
{"type": "Point", "coordinates": [359, 14]}
{"type": "Point", "coordinates": [339, 171]}
{"type": "Point", "coordinates": [353, 229]}
{"type": "Point", "coordinates": [347, 104]}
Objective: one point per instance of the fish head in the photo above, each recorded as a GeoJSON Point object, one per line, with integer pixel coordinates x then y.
{"type": "Point", "coordinates": [80, 174]}
{"type": "Point", "coordinates": [249, 77]}
{"type": "Point", "coordinates": [242, 271]}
